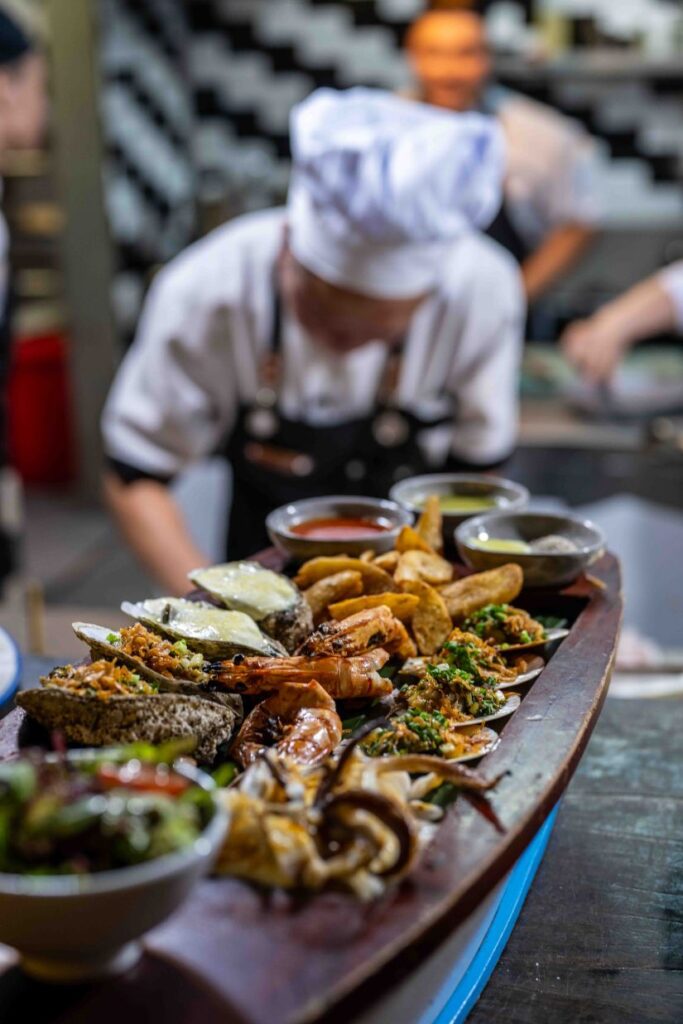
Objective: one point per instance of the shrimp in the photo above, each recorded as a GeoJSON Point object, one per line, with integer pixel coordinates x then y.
{"type": "Point", "coordinates": [343, 678]}
{"type": "Point", "coordinates": [356, 634]}
{"type": "Point", "coordinates": [300, 720]}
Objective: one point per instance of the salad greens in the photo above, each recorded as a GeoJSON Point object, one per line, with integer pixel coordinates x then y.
{"type": "Point", "coordinates": [64, 816]}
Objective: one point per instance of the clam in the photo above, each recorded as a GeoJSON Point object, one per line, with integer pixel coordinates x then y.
{"type": "Point", "coordinates": [155, 718]}
{"type": "Point", "coordinates": [214, 632]}
{"type": "Point", "coordinates": [551, 636]}
{"type": "Point", "coordinates": [272, 600]}
{"type": "Point", "coordinates": [417, 668]}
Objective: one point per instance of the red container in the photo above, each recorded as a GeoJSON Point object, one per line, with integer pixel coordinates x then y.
{"type": "Point", "coordinates": [39, 411]}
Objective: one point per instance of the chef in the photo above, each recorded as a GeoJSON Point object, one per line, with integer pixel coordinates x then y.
{"type": "Point", "coordinates": [364, 333]}
{"type": "Point", "coordinates": [597, 345]}
{"type": "Point", "coordinates": [550, 211]}
{"type": "Point", "coordinates": [23, 110]}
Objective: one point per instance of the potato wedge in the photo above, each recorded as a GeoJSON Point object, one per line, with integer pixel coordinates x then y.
{"type": "Point", "coordinates": [331, 589]}
{"type": "Point", "coordinates": [388, 561]}
{"type": "Point", "coordinates": [496, 586]}
{"type": "Point", "coordinates": [430, 524]}
{"type": "Point", "coordinates": [375, 580]}
{"type": "Point", "coordinates": [410, 540]}
{"type": "Point", "coordinates": [401, 605]}
{"type": "Point", "coordinates": [431, 623]}
{"type": "Point", "coordinates": [423, 565]}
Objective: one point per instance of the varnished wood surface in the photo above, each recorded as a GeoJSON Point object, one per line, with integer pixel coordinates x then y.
{"type": "Point", "coordinates": [271, 958]}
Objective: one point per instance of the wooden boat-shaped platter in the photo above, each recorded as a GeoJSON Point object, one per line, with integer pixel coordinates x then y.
{"type": "Point", "coordinates": [272, 958]}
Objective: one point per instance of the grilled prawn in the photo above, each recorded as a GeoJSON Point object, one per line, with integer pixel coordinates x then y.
{"type": "Point", "coordinates": [356, 634]}
{"type": "Point", "coordinates": [343, 678]}
{"type": "Point", "coordinates": [299, 720]}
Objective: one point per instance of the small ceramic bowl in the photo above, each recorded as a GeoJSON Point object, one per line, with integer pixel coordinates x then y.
{"type": "Point", "coordinates": [541, 569]}
{"type": "Point", "coordinates": [280, 523]}
{"type": "Point", "coordinates": [411, 492]}
{"type": "Point", "coordinates": [71, 928]}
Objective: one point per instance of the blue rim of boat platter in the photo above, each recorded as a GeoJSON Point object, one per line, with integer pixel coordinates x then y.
{"type": "Point", "coordinates": [460, 991]}
{"type": "Point", "coordinates": [10, 667]}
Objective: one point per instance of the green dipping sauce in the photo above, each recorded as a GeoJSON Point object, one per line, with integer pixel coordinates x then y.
{"type": "Point", "coordinates": [465, 502]}
{"type": "Point", "coordinates": [509, 546]}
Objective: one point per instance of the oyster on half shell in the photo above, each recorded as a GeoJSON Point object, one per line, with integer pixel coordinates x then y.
{"type": "Point", "coordinates": [271, 599]}
{"type": "Point", "coordinates": [214, 632]}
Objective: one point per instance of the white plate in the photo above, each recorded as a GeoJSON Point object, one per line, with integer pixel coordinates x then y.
{"type": "Point", "coordinates": [10, 667]}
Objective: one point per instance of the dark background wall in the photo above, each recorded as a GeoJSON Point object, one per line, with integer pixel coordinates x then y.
{"type": "Point", "coordinates": [198, 92]}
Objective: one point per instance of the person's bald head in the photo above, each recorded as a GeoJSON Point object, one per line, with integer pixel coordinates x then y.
{"type": "Point", "coordinates": [450, 57]}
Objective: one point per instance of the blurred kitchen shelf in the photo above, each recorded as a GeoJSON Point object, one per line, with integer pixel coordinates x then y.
{"type": "Point", "coordinates": [599, 63]}
{"type": "Point", "coordinates": [548, 422]}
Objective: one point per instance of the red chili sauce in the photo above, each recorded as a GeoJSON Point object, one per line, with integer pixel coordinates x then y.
{"type": "Point", "coordinates": [339, 528]}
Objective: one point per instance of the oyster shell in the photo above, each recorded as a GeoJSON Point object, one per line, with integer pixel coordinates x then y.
{"type": "Point", "coordinates": [125, 719]}
{"type": "Point", "coordinates": [272, 600]}
{"type": "Point", "coordinates": [212, 631]}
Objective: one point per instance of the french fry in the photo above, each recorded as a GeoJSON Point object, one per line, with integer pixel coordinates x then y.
{"type": "Point", "coordinates": [431, 622]}
{"type": "Point", "coordinates": [496, 586]}
{"type": "Point", "coordinates": [410, 540]}
{"type": "Point", "coordinates": [388, 561]}
{"type": "Point", "coordinates": [331, 589]}
{"type": "Point", "coordinates": [402, 605]}
{"type": "Point", "coordinates": [367, 556]}
{"type": "Point", "coordinates": [423, 565]}
{"type": "Point", "coordinates": [375, 580]}
{"type": "Point", "coordinates": [430, 524]}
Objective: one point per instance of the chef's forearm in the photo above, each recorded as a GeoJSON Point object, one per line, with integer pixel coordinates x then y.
{"type": "Point", "coordinates": [555, 256]}
{"type": "Point", "coordinates": [153, 526]}
{"type": "Point", "coordinates": [645, 310]}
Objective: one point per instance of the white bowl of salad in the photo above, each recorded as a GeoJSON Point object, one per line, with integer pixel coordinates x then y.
{"type": "Point", "coordinates": [96, 848]}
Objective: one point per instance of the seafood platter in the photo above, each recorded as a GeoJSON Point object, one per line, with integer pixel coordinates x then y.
{"type": "Point", "coordinates": [385, 733]}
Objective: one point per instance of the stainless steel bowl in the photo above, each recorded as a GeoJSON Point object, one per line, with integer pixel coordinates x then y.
{"type": "Point", "coordinates": [411, 493]}
{"type": "Point", "coordinates": [541, 569]}
{"type": "Point", "coordinates": [280, 522]}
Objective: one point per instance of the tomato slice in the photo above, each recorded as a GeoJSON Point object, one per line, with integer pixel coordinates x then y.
{"type": "Point", "coordinates": [143, 778]}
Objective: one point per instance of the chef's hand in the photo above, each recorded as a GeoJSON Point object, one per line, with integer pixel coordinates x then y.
{"type": "Point", "coordinates": [595, 347]}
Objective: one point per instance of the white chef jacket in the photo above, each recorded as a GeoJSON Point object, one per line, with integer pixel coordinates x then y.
{"type": "Point", "coordinates": [208, 321]}
{"type": "Point", "coordinates": [671, 280]}
{"type": "Point", "coordinates": [550, 176]}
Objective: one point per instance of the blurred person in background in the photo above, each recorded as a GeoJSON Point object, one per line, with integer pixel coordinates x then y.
{"type": "Point", "coordinates": [23, 111]}
{"type": "Point", "coordinates": [330, 347]}
{"type": "Point", "coordinates": [597, 345]}
{"type": "Point", "coordinates": [550, 212]}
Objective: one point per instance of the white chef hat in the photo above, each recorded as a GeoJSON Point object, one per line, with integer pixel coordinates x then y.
{"type": "Point", "coordinates": [382, 186]}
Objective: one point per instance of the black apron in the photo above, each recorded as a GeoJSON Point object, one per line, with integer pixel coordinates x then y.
{"type": "Point", "coordinates": [503, 231]}
{"type": "Point", "coordinates": [276, 460]}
